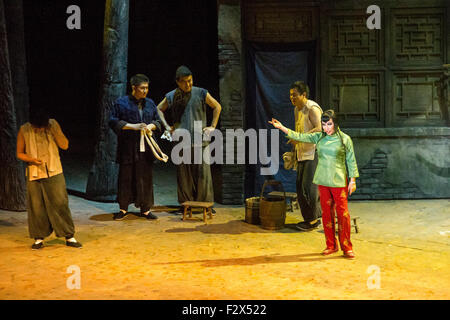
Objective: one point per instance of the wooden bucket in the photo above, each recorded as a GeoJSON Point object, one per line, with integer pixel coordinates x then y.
{"type": "Point", "coordinates": [252, 210]}
{"type": "Point", "coordinates": [272, 209]}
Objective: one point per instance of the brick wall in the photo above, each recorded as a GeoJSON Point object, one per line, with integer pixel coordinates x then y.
{"type": "Point", "coordinates": [231, 176]}
{"type": "Point", "coordinates": [371, 183]}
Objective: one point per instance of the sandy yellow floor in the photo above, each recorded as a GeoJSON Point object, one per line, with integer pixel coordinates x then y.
{"type": "Point", "coordinates": [407, 241]}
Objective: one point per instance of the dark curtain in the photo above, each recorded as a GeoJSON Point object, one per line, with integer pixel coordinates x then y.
{"type": "Point", "coordinates": [271, 69]}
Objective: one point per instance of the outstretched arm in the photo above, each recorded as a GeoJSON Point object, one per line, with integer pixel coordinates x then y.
{"type": "Point", "coordinates": [277, 124]}
{"type": "Point", "coordinates": [302, 137]}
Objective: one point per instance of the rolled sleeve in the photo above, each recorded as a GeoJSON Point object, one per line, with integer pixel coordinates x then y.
{"type": "Point", "coordinates": [158, 125]}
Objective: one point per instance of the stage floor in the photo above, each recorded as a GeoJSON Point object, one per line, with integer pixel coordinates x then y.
{"type": "Point", "coordinates": [406, 241]}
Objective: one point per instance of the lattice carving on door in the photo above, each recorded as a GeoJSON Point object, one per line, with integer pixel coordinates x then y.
{"type": "Point", "coordinates": [351, 42]}
{"type": "Point", "coordinates": [418, 36]}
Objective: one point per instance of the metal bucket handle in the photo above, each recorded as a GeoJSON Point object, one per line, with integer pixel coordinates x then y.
{"type": "Point", "coordinates": [272, 183]}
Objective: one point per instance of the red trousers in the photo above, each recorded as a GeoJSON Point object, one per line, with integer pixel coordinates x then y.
{"type": "Point", "coordinates": [328, 198]}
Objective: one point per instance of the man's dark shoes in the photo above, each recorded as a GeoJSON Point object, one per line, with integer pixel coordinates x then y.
{"type": "Point", "coordinates": [74, 244]}
{"type": "Point", "coordinates": [120, 215]}
{"type": "Point", "coordinates": [149, 216]}
{"type": "Point", "coordinates": [37, 246]}
{"type": "Point", "coordinates": [179, 211]}
{"type": "Point", "coordinates": [306, 226]}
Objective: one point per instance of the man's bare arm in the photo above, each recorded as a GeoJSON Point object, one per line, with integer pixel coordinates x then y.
{"type": "Point", "coordinates": [217, 108]}
{"type": "Point", "coordinates": [162, 106]}
{"type": "Point", "coordinates": [58, 135]}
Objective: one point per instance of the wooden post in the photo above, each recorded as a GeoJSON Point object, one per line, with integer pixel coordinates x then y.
{"type": "Point", "coordinates": [102, 181]}
{"type": "Point", "coordinates": [12, 176]}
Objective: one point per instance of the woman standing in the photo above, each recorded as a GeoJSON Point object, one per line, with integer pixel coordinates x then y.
{"type": "Point", "coordinates": [47, 200]}
{"type": "Point", "coordinates": [335, 151]}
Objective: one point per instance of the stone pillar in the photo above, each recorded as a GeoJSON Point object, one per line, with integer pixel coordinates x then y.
{"type": "Point", "coordinates": [12, 176]}
{"type": "Point", "coordinates": [17, 58]}
{"type": "Point", "coordinates": [102, 181]}
{"type": "Point", "coordinates": [231, 86]}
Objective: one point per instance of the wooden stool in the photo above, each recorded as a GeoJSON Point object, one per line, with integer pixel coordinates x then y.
{"type": "Point", "coordinates": [355, 223]}
{"type": "Point", "coordinates": [207, 208]}
{"type": "Point", "coordinates": [292, 196]}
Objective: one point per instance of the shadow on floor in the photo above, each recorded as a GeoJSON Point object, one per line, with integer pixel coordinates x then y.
{"type": "Point", "coordinates": [6, 223]}
{"type": "Point", "coordinates": [231, 227]}
{"type": "Point", "coordinates": [307, 257]}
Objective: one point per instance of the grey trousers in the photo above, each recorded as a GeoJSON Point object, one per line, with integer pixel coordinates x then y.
{"type": "Point", "coordinates": [194, 182]}
{"type": "Point", "coordinates": [48, 208]}
{"type": "Point", "coordinates": [307, 191]}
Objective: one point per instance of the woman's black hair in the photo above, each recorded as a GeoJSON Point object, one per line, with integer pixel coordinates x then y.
{"type": "Point", "coordinates": [39, 117]}
{"type": "Point", "coordinates": [330, 114]}
{"type": "Point", "coordinates": [326, 116]}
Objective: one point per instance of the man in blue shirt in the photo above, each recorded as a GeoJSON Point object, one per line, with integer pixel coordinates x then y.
{"type": "Point", "coordinates": [132, 114]}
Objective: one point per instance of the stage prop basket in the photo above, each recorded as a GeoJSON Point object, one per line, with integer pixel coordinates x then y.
{"type": "Point", "coordinates": [252, 210]}
{"type": "Point", "coordinates": [272, 209]}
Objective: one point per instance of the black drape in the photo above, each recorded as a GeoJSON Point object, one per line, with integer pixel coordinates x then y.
{"type": "Point", "coordinates": [271, 69]}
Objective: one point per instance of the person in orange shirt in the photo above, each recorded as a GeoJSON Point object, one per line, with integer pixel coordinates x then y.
{"type": "Point", "coordinates": [47, 202]}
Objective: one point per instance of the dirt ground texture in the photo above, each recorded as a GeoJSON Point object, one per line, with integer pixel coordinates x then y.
{"type": "Point", "coordinates": [227, 258]}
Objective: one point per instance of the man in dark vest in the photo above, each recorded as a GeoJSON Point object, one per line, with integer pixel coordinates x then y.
{"type": "Point", "coordinates": [182, 107]}
{"type": "Point", "coordinates": [131, 116]}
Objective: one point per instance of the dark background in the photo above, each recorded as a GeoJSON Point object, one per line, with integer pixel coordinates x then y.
{"type": "Point", "coordinates": [64, 65]}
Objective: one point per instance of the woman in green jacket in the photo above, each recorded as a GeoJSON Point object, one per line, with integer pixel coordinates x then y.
{"type": "Point", "coordinates": [335, 152]}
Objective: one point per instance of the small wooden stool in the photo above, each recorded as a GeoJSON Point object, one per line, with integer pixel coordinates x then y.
{"type": "Point", "coordinates": [355, 223]}
{"type": "Point", "coordinates": [292, 196]}
{"type": "Point", "coordinates": [188, 205]}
